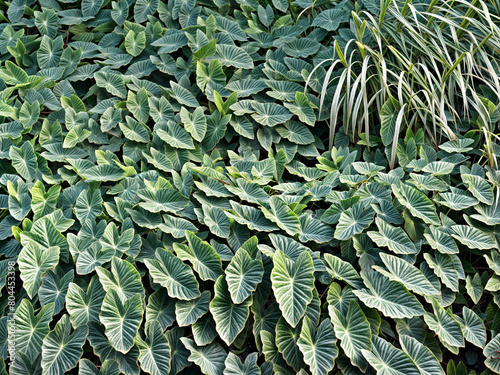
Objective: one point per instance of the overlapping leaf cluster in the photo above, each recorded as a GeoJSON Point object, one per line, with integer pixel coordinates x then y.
{"type": "Point", "coordinates": [170, 204]}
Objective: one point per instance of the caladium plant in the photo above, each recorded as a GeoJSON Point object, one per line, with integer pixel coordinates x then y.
{"type": "Point", "coordinates": [175, 200]}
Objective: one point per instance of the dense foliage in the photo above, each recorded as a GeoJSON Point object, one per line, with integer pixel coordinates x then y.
{"type": "Point", "coordinates": [244, 187]}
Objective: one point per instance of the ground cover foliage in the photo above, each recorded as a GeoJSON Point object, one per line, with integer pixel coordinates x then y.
{"type": "Point", "coordinates": [244, 187]}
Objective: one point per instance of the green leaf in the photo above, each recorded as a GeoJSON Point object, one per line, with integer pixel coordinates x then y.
{"type": "Point", "coordinates": [281, 5]}
{"type": "Point", "coordinates": [230, 55]}
{"type": "Point", "coordinates": [230, 318]}
{"type": "Point", "coordinates": [302, 108]}
{"type": "Point", "coordinates": [184, 96]}
{"type": "Point", "coordinates": [444, 324]}
{"type": "Point", "coordinates": [29, 113]}
{"type": "Point", "coordinates": [176, 226]}
{"type": "Point", "coordinates": [392, 237]}
{"type": "Point", "coordinates": [243, 274]}
{"type": "Point", "coordinates": [49, 52]}
{"type": "Point", "coordinates": [270, 114]}
{"type": "Point", "coordinates": [31, 329]}
{"type": "Point", "coordinates": [473, 328]}
{"type": "Point", "coordinates": [473, 237]}
{"type": "Point", "coordinates": [440, 240]}
{"type": "Point", "coordinates": [119, 12]}
{"type": "Point", "coordinates": [252, 217]}
{"type": "Point", "coordinates": [386, 359]}
{"type": "Point", "coordinates": [54, 288]}
{"type": "Point", "coordinates": [389, 297]}
{"type": "Point", "coordinates": [343, 270]}
{"type": "Point", "coordinates": [90, 7]}
{"type": "Point", "coordinates": [389, 119]}
{"type": "Point", "coordinates": [113, 240]}
{"type": "Point", "coordinates": [127, 363]}
{"type": "Point", "coordinates": [7, 111]}
{"type": "Point", "coordinates": [166, 200]}
{"type": "Point", "coordinates": [209, 358]}
{"type": "Point", "coordinates": [491, 353]}
{"type": "Point", "coordinates": [84, 306]}
{"type": "Point", "coordinates": [88, 205]}
{"type": "Point", "coordinates": [205, 260]}
{"type": "Point", "coordinates": [282, 215]}
{"type": "Point", "coordinates": [293, 283]}
{"type": "Point", "coordinates": [224, 105]}
{"type": "Point", "coordinates": [421, 355]}
{"type": "Point", "coordinates": [353, 221]}
{"type": "Point", "coordinates": [315, 230]}
{"type": "Point", "coordinates": [34, 261]}
{"type": "Point", "coordinates": [92, 257]}
{"type": "Point", "coordinates": [138, 104]}
{"type": "Point", "coordinates": [286, 342]}
{"type": "Point", "coordinates": [121, 319]}
{"type": "Point", "coordinates": [474, 287]}
{"type": "Point", "coordinates": [330, 19]}
{"type": "Point", "coordinates": [24, 160]}
{"type": "Point", "coordinates": [216, 129]}
{"type": "Point", "coordinates": [439, 168]}
{"type": "Point", "coordinates": [479, 188]}
{"type": "Point", "coordinates": [154, 351]}
{"type": "Point", "coordinates": [144, 8]}
{"type": "Point", "coordinates": [417, 202]}
{"type": "Point", "coordinates": [204, 331]}
{"type": "Point", "coordinates": [42, 202]}
{"type": "Point", "coordinates": [124, 279]}
{"type": "Point", "coordinates": [295, 132]}
{"type": "Point", "coordinates": [175, 136]}
{"type": "Point", "coordinates": [113, 83]}
{"type": "Point", "coordinates": [169, 271]}
{"type": "Point", "coordinates": [135, 43]}
{"type": "Point", "coordinates": [188, 312]}
{"type": "Point", "coordinates": [234, 366]}
{"type": "Point", "coordinates": [195, 123]}
{"type": "Point", "coordinates": [12, 74]}
{"type": "Point", "coordinates": [301, 48]}
{"type": "Point", "coordinates": [318, 347]}
{"type": "Point", "coordinates": [108, 367]}
{"type": "Point", "coordinates": [457, 145]}
{"type": "Point", "coordinates": [266, 15]}
{"type": "Point", "coordinates": [46, 235]}
{"type": "Point", "coordinates": [493, 283]}
{"type": "Point", "coordinates": [249, 191]}
{"type": "Point", "coordinates": [494, 261]}
{"type": "Point", "coordinates": [456, 199]}
{"type": "Point", "coordinates": [411, 277]}
{"type": "Point", "coordinates": [353, 331]}
{"type": "Point", "coordinates": [76, 135]}
{"type": "Point", "coordinates": [444, 267]}
{"type": "Point", "coordinates": [161, 309]}
{"type": "Point", "coordinates": [61, 349]}
{"type": "Point", "coordinates": [216, 220]}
